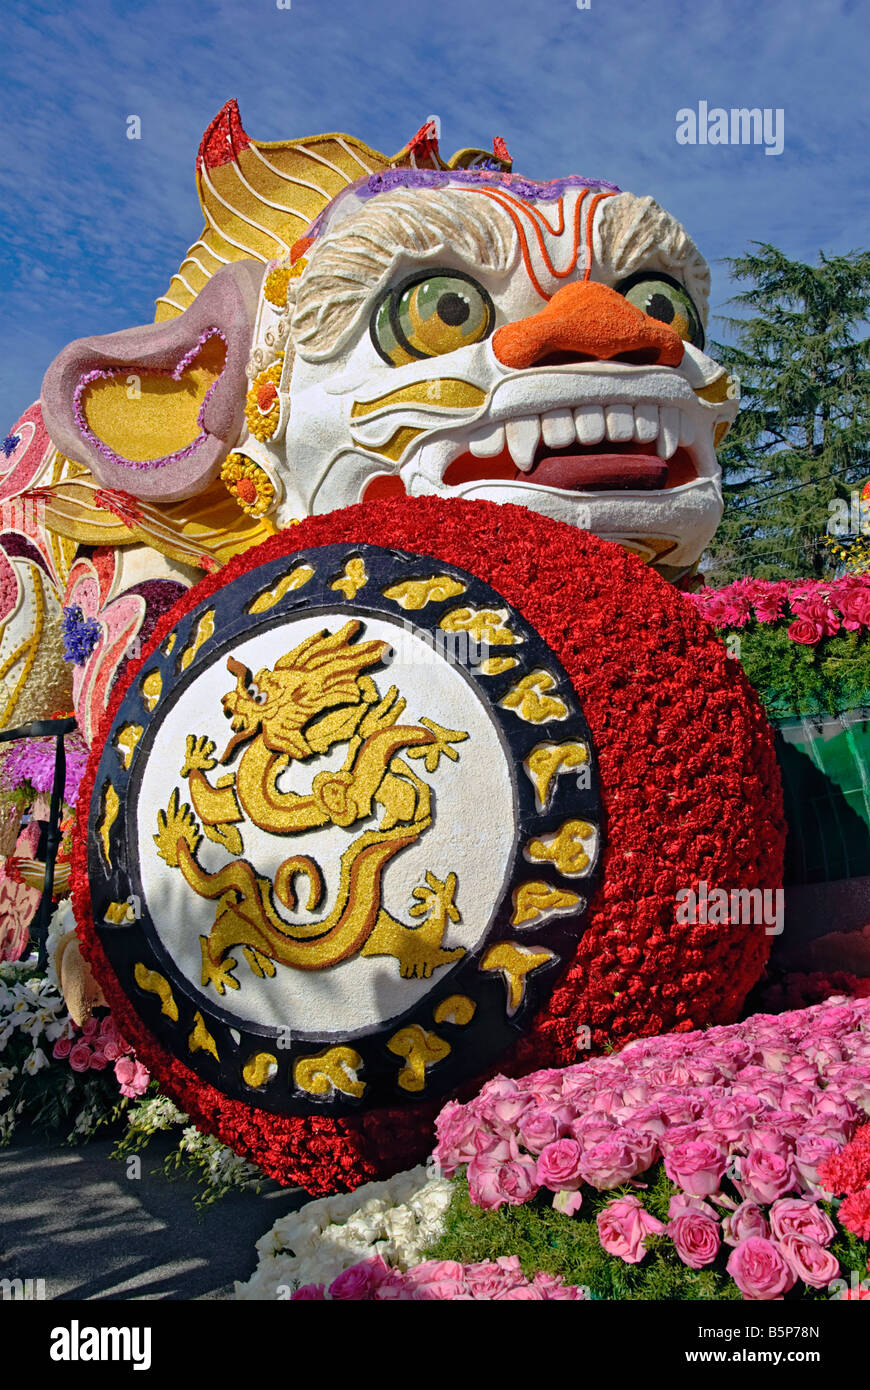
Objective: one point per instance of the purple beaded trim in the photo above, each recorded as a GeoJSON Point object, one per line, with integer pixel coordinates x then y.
{"type": "Point", "coordinates": [103, 373]}
{"type": "Point", "coordinates": [369, 186]}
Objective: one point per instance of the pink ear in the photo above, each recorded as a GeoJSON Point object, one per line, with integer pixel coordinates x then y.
{"type": "Point", "coordinates": [128, 444]}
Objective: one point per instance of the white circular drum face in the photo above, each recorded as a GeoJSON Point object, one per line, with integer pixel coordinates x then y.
{"type": "Point", "coordinates": [471, 835]}
{"type": "Point", "coordinates": [343, 831]}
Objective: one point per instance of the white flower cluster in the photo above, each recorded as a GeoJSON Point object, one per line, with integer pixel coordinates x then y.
{"type": "Point", "coordinates": [33, 1009]}
{"type": "Point", "coordinates": [221, 1167]}
{"type": "Point", "coordinates": [398, 1219]}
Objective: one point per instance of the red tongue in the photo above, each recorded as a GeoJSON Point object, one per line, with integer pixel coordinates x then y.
{"type": "Point", "coordinates": [588, 472]}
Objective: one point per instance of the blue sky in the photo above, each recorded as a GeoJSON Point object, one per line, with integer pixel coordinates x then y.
{"type": "Point", "coordinates": [92, 224]}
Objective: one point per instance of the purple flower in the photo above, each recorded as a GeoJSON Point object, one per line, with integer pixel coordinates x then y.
{"type": "Point", "coordinates": [80, 635]}
{"type": "Point", "coordinates": [10, 444]}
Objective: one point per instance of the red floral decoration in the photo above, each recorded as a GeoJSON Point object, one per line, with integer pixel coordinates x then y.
{"type": "Point", "coordinates": [690, 787]}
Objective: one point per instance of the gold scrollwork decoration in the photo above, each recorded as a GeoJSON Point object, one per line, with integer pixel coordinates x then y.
{"type": "Point", "coordinates": [420, 1050]}
{"type": "Point", "coordinates": [154, 983]}
{"type": "Point", "coordinates": [335, 1069]}
{"type": "Point", "coordinates": [515, 963]}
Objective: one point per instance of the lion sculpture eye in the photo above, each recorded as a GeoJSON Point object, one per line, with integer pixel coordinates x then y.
{"type": "Point", "coordinates": [431, 313]}
{"type": "Point", "coordinates": [663, 298]}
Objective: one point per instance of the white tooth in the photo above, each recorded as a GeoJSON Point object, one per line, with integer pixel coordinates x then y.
{"type": "Point", "coordinates": [486, 443]}
{"type": "Point", "coordinates": [589, 422]}
{"type": "Point", "coordinates": [646, 423]}
{"type": "Point", "coordinates": [557, 427]}
{"type": "Point", "coordinates": [687, 428]}
{"type": "Point", "coordinates": [522, 441]}
{"type": "Point", "coordinates": [619, 420]}
{"type": "Point", "coordinates": [669, 435]}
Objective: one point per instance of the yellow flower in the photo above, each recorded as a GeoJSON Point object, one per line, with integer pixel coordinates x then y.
{"type": "Point", "coordinates": [263, 404]}
{"type": "Point", "coordinates": [248, 484]}
{"type": "Point", "coordinates": [276, 282]}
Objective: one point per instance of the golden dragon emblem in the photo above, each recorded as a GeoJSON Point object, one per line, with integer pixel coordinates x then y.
{"type": "Point", "coordinates": [315, 697]}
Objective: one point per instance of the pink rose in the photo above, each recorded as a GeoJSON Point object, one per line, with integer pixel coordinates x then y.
{"type": "Point", "coordinates": [855, 608]}
{"type": "Point", "coordinates": [62, 1048]}
{"type": "Point", "coordinates": [99, 1060]}
{"type": "Point", "coordinates": [437, 1279]}
{"type": "Point", "coordinates": [592, 1129]}
{"type": "Point", "coordinates": [90, 1027]}
{"type": "Point", "coordinates": [611, 1163]}
{"type": "Point", "coordinates": [502, 1102]}
{"type": "Point", "coordinates": [309, 1291]}
{"type": "Point", "coordinates": [538, 1128]}
{"type": "Point", "coordinates": [759, 1270]}
{"type": "Point", "coordinates": [768, 1137]}
{"type": "Point", "coordinates": [623, 1227]}
{"type": "Point", "coordinates": [492, 1184]}
{"type": "Point", "coordinates": [816, 609]}
{"type": "Point", "coordinates": [80, 1057]}
{"type": "Point", "coordinates": [745, 1221]}
{"type": "Point", "coordinates": [361, 1280]}
{"type": "Point", "coordinates": [806, 632]}
{"type": "Point", "coordinates": [489, 1279]}
{"type": "Point", "coordinates": [809, 1153]}
{"type": "Point", "coordinates": [456, 1127]}
{"type": "Point", "coordinates": [696, 1166]}
{"type": "Point", "coordinates": [795, 1216]}
{"type": "Point", "coordinates": [764, 1176]}
{"type": "Point", "coordinates": [394, 1287]}
{"type": "Point", "coordinates": [696, 1238]}
{"type": "Point", "coordinates": [552, 1288]}
{"type": "Point", "coordinates": [132, 1077]}
{"type": "Point", "coordinates": [680, 1203]}
{"type": "Point", "coordinates": [729, 1120]}
{"type": "Point", "coordinates": [524, 1292]}
{"type": "Point", "coordinates": [809, 1260]}
{"type": "Point", "coordinates": [559, 1166]}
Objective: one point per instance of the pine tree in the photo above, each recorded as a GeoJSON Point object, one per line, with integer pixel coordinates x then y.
{"type": "Point", "coordinates": [803, 424]}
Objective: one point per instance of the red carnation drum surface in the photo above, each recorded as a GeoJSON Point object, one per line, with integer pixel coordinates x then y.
{"type": "Point", "coordinates": [347, 819]}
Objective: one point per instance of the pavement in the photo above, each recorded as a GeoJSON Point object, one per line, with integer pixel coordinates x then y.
{"type": "Point", "coordinates": [73, 1217]}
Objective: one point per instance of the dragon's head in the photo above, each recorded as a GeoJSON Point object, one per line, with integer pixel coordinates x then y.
{"type": "Point", "coordinates": [319, 674]}
{"type": "Point", "coordinates": [254, 702]}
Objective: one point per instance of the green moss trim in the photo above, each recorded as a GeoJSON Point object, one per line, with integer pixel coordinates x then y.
{"type": "Point", "coordinates": [792, 679]}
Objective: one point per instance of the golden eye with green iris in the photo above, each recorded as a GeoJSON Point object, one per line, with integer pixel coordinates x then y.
{"type": "Point", "coordinates": [432, 313]}
{"type": "Point", "coordinates": [663, 298]}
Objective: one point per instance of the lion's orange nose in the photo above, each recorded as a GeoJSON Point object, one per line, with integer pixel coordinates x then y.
{"type": "Point", "coordinates": [586, 321]}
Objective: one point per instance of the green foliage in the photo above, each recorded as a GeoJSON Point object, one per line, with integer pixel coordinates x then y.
{"type": "Point", "coordinates": [568, 1246]}
{"type": "Point", "coordinates": [805, 382]}
{"type": "Point", "coordinates": [791, 679]}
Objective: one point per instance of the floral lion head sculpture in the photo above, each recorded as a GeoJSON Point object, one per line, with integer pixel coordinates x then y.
{"type": "Point", "coordinates": [349, 327]}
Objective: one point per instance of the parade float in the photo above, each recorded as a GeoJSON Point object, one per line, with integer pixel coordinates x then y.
{"type": "Point", "coordinates": [425, 808]}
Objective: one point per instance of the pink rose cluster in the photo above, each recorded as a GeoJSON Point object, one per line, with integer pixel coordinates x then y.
{"type": "Point", "coordinates": [817, 607]}
{"type": "Point", "coordinates": [97, 1045]}
{"type": "Point", "coordinates": [501, 1280]}
{"type": "Point", "coordinates": [741, 1117]}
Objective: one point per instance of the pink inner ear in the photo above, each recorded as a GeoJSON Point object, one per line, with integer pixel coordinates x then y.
{"type": "Point", "coordinates": [223, 312]}
{"type": "Point", "coordinates": [174, 374]}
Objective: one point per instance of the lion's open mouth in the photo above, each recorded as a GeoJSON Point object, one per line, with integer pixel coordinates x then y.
{"type": "Point", "coordinates": [581, 468]}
